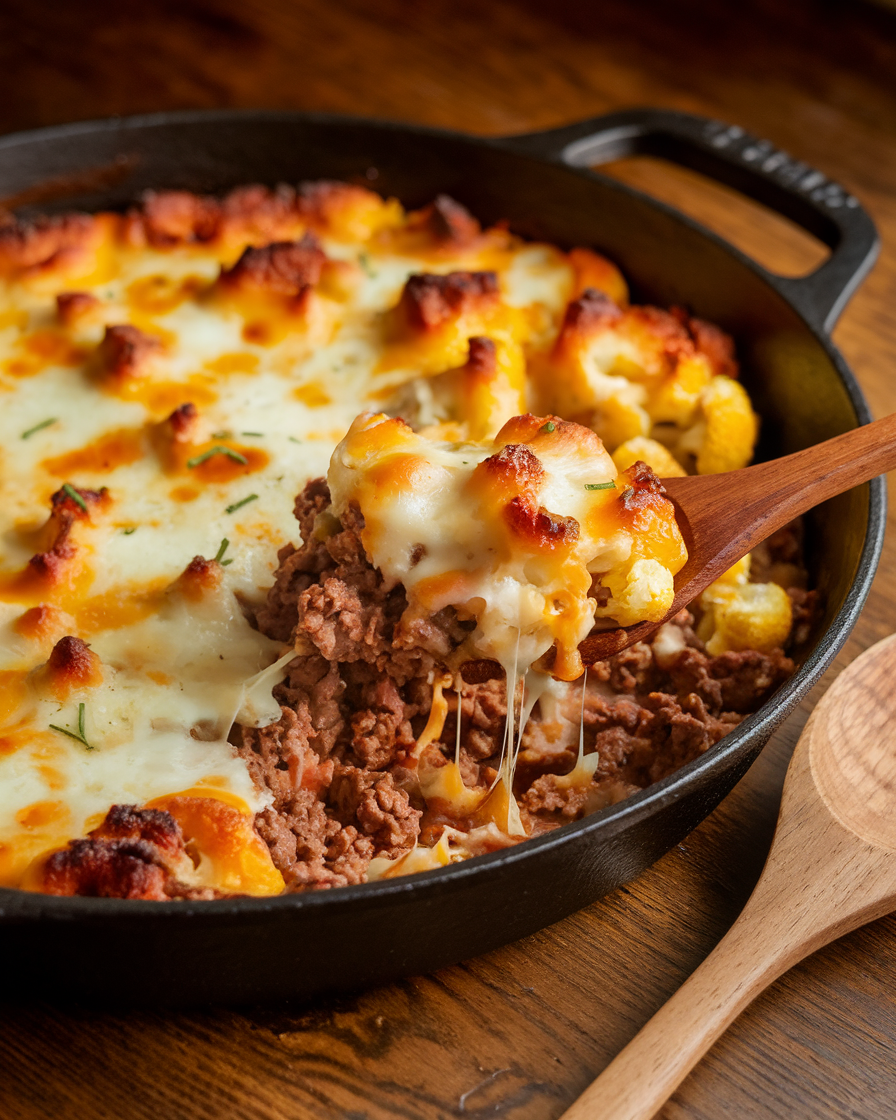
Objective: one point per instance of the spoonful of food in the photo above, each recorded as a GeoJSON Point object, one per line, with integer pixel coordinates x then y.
{"type": "Point", "coordinates": [722, 517]}
{"type": "Point", "coordinates": [508, 531]}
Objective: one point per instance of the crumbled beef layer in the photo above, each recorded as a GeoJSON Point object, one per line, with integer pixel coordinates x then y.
{"type": "Point", "coordinates": [341, 765]}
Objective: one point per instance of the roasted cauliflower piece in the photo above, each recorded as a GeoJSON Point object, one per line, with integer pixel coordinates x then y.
{"type": "Point", "coordinates": [639, 372]}
{"type": "Point", "coordinates": [470, 402]}
{"type": "Point", "coordinates": [660, 459]}
{"type": "Point", "coordinates": [740, 615]}
{"type": "Point", "coordinates": [724, 435]}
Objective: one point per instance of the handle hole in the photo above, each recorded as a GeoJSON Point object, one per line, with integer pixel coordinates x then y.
{"type": "Point", "coordinates": [775, 242]}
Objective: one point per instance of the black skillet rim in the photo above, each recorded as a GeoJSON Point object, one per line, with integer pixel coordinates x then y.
{"type": "Point", "coordinates": [22, 906]}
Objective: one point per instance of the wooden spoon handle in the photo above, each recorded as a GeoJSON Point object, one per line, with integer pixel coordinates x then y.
{"type": "Point", "coordinates": [646, 1073]}
{"type": "Point", "coordinates": [729, 514]}
{"type": "Point", "coordinates": [821, 880]}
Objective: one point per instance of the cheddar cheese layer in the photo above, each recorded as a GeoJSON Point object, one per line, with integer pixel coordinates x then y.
{"type": "Point", "coordinates": [170, 379]}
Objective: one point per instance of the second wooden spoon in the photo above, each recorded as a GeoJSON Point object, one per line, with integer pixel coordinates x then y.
{"type": "Point", "coordinates": [831, 869]}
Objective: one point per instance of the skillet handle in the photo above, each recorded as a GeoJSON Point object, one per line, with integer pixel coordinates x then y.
{"type": "Point", "coordinates": [729, 155]}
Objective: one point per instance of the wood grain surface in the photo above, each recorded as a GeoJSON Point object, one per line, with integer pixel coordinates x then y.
{"type": "Point", "coordinates": [521, 1032]}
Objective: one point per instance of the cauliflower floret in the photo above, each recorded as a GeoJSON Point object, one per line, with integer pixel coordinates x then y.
{"type": "Point", "coordinates": [643, 591]}
{"type": "Point", "coordinates": [724, 436]}
{"type": "Point", "coordinates": [752, 616]}
{"type": "Point", "coordinates": [660, 460]}
{"type": "Point", "coordinates": [676, 398]}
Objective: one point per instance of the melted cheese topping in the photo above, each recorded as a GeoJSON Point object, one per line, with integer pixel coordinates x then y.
{"type": "Point", "coordinates": [509, 532]}
{"type": "Point", "coordinates": [276, 389]}
{"type": "Point", "coordinates": [180, 395]}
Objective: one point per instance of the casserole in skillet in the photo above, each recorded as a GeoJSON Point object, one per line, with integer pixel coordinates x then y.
{"type": "Point", "coordinates": [483, 174]}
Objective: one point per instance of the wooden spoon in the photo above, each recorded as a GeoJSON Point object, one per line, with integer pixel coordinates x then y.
{"type": "Point", "coordinates": [831, 869]}
{"type": "Point", "coordinates": [723, 516]}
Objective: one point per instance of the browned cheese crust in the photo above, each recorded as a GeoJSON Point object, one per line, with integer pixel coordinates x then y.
{"type": "Point", "coordinates": [134, 853]}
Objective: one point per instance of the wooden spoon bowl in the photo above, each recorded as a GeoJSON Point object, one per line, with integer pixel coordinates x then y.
{"type": "Point", "coordinates": [831, 869]}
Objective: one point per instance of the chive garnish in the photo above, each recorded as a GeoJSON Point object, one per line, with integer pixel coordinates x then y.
{"type": "Point", "coordinates": [239, 505]}
{"type": "Point", "coordinates": [79, 736]}
{"type": "Point", "coordinates": [260, 435]}
{"type": "Point", "coordinates": [600, 485]}
{"type": "Point", "coordinates": [292, 439]}
{"type": "Point", "coordinates": [38, 427]}
{"type": "Point", "coordinates": [75, 496]}
{"type": "Point", "coordinates": [550, 426]}
{"type": "Point", "coordinates": [206, 455]}
{"type": "Point", "coordinates": [127, 532]}
{"type": "Point", "coordinates": [364, 262]}
{"type": "Point", "coordinates": [223, 434]}
{"type": "Point", "coordinates": [219, 555]}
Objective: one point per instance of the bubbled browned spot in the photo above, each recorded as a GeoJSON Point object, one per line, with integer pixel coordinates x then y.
{"type": "Point", "coordinates": [515, 464]}
{"type": "Point", "coordinates": [428, 300]}
{"type": "Point", "coordinates": [34, 244]}
{"type": "Point", "coordinates": [321, 202]}
{"type": "Point", "coordinates": [643, 487]}
{"type": "Point", "coordinates": [450, 223]}
{"type": "Point", "coordinates": [167, 218]}
{"type": "Point", "coordinates": [126, 353]}
{"type": "Point", "coordinates": [183, 423]}
{"type": "Point", "coordinates": [73, 308]}
{"type": "Point", "coordinates": [73, 664]}
{"type": "Point", "coordinates": [712, 342]}
{"type": "Point", "coordinates": [65, 511]}
{"type": "Point", "coordinates": [198, 578]}
{"type": "Point", "coordinates": [135, 853]}
{"type": "Point", "coordinates": [482, 358]}
{"type": "Point", "coordinates": [537, 526]}
{"type": "Point", "coordinates": [283, 268]}
{"type": "Point", "coordinates": [258, 212]}
{"type": "Point", "coordinates": [105, 869]}
{"type": "Point", "coordinates": [155, 826]}
{"type": "Point", "coordinates": [593, 309]}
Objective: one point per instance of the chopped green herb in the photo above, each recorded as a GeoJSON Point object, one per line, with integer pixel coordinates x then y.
{"type": "Point", "coordinates": [260, 435]}
{"type": "Point", "coordinates": [239, 505]}
{"type": "Point", "coordinates": [219, 555]}
{"type": "Point", "coordinates": [600, 485]}
{"type": "Point", "coordinates": [79, 736]}
{"type": "Point", "coordinates": [223, 434]}
{"type": "Point", "coordinates": [550, 426]}
{"type": "Point", "coordinates": [292, 439]}
{"type": "Point", "coordinates": [38, 427]}
{"type": "Point", "coordinates": [206, 455]}
{"type": "Point", "coordinates": [364, 262]}
{"type": "Point", "coordinates": [75, 496]}
{"type": "Point", "coordinates": [127, 532]}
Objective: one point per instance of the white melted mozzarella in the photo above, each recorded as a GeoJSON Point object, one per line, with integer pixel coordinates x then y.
{"type": "Point", "coordinates": [429, 526]}
{"type": "Point", "coordinates": [174, 678]}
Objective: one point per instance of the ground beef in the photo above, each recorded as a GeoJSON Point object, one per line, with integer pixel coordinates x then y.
{"type": "Point", "coordinates": [340, 764]}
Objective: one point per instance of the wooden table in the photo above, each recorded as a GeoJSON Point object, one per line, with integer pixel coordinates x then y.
{"type": "Point", "coordinates": [518, 1033]}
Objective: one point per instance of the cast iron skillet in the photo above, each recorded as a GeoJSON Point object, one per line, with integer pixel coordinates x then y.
{"type": "Point", "coordinates": [300, 945]}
